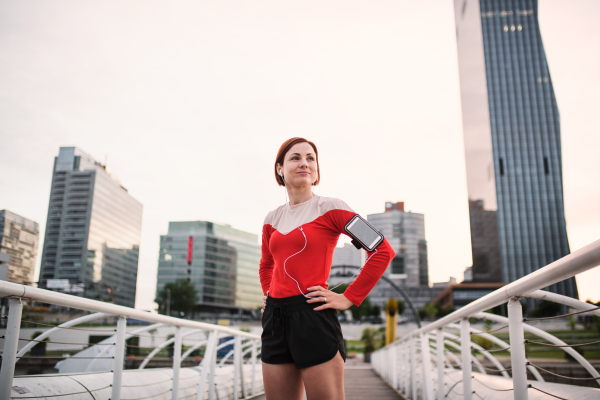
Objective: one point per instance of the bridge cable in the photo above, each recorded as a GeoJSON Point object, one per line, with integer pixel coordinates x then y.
{"type": "Point", "coordinates": [527, 341]}
{"type": "Point", "coordinates": [560, 316]}
{"type": "Point", "coordinates": [497, 350]}
{"type": "Point", "coordinates": [490, 331]}
{"type": "Point", "coordinates": [453, 388]}
{"type": "Point", "coordinates": [549, 394]}
{"type": "Point", "coordinates": [562, 376]}
{"type": "Point", "coordinates": [492, 369]}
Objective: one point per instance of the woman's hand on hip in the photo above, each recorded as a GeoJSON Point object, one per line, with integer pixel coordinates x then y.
{"type": "Point", "coordinates": [262, 310]}
{"type": "Point", "coordinates": [331, 299]}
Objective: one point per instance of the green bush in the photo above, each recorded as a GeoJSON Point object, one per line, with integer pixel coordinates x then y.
{"type": "Point", "coordinates": [483, 342]}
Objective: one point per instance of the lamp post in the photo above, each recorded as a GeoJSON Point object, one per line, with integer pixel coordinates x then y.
{"type": "Point", "coordinates": [168, 301]}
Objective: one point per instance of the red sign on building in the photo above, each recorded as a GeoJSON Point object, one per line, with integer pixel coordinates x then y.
{"type": "Point", "coordinates": [190, 249]}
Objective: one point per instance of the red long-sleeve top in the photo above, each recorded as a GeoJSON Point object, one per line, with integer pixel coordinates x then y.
{"type": "Point", "coordinates": [303, 237]}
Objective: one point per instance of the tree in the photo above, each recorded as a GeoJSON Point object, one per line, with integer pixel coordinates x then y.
{"type": "Point", "coordinates": [364, 309]}
{"type": "Point", "coordinates": [430, 310]}
{"type": "Point", "coordinates": [546, 308]}
{"type": "Point", "coordinates": [372, 339]}
{"type": "Point", "coordinates": [401, 306]}
{"type": "Point", "coordinates": [183, 297]}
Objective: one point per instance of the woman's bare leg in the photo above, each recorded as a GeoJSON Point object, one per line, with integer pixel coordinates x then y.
{"type": "Point", "coordinates": [282, 381]}
{"type": "Point", "coordinates": [325, 381]}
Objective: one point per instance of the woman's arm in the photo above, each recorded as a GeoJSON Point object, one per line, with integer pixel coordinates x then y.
{"type": "Point", "coordinates": [377, 261]}
{"type": "Point", "coordinates": [267, 264]}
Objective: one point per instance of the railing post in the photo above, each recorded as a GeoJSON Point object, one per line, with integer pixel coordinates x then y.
{"type": "Point", "coordinates": [206, 363]}
{"type": "Point", "coordinates": [517, 349]}
{"type": "Point", "coordinates": [252, 387]}
{"type": "Point", "coordinates": [403, 374]}
{"type": "Point", "coordinates": [237, 365]}
{"type": "Point", "coordinates": [426, 357]}
{"type": "Point", "coordinates": [413, 367]}
{"type": "Point", "coordinates": [406, 367]}
{"type": "Point", "coordinates": [394, 351]}
{"type": "Point", "coordinates": [465, 347]}
{"type": "Point", "coordinates": [11, 345]}
{"type": "Point", "coordinates": [440, 363]}
{"type": "Point", "coordinates": [119, 358]}
{"type": "Point", "coordinates": [213, 369]}
{"type": "Point", "coordinates": [176, 363]}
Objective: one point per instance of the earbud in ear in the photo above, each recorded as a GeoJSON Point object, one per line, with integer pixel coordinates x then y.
{"type": "Point", "coordinates": [280, 174]}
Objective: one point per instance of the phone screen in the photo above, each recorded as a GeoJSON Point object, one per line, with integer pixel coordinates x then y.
{"type": "Point", "coordinates": [363, 232]}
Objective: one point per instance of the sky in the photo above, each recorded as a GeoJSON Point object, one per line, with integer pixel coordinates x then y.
{"type": "Point", "coordinates": [189, 101]}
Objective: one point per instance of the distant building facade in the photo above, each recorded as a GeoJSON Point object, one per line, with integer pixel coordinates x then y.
{"type": "Point", "coordinates": [511, 130]}
{"type": "Point", "coordinates": [348, 257]}
{"type": "Point", "coordinates": [220, 261]}
{"type": "Point", "coordinates": [19, 238]}
{"type": "Point", "coordinates": [93, 231]}
{"type": "Point", "coordinates": [405, 231]}
{"type": "Point", "coordinates": [459, 295]}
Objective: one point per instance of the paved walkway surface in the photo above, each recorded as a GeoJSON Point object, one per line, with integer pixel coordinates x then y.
{"type": "Point", "coordinates": [361, 382]}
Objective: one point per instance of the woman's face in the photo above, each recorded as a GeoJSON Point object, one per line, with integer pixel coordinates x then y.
{"type": "Point", "coordinates": [299, 165]}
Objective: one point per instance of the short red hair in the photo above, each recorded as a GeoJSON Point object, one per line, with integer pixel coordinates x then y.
{"type": "Point", "coordinates": [285, 147]}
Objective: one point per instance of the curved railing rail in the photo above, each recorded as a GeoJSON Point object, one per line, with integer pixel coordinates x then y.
{"type": "Point", "coordinates": [245, 346]}
{"type": "Point", "coordinates": [407, 363]}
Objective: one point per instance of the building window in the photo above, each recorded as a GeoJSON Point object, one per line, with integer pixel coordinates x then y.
{"type": "Point", "coordinates": [501, 167]}
{"type": "Point", "coordinates": [546, 166]}
{"type": "Point", "coordinates": [398, 266]}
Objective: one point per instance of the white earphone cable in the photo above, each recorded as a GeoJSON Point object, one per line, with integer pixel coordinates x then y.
{"type": "Point", "coordinates": [305, 242]}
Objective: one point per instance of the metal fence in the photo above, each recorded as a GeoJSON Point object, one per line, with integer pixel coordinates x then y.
{"type": "Point", "coordinates": [422, 365]}
{"type": "Point", "coordinates": [230, 369]}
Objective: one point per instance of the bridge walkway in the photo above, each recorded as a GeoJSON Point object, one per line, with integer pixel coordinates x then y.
{"type": "Point", "coordinates": [361, 382]}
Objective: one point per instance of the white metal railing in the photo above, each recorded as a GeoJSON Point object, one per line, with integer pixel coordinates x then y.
{"type": "Point", "coordinates": [245, 346]}
{"type": "Point", "coordinates": [407, 363]}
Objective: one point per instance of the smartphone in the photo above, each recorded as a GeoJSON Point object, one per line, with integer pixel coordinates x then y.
{"type": "Point", "coordinates": [363, 234]}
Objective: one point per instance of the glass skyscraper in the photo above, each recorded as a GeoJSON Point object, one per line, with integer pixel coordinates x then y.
{"type": "Point", "coordinates": [92, 233]}
{"type": "Point", "coordinates": [220, 261]}
{"type": "Point", "coordinates": [512, 141]}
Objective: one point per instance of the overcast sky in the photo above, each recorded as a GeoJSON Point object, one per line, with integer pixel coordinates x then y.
{"type": "Point", "coordinates": [189, 101]}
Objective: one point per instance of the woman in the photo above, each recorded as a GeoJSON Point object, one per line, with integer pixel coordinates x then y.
{"type": "Point", "coordinates": [302, 342]}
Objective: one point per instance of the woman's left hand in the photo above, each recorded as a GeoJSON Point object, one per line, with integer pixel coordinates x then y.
{"type": "Point", "coordinates": [331, 299]}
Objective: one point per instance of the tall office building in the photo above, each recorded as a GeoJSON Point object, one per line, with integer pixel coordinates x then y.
{"type": "Point", "coordinates": [345, 256]}
{"type": "Point", "coordinates": [512, 141]}
{"type": "Point", "coordinates": [19, 239]}
{"type": "Point", "coordinates": [405, 231]}
{"type": "Point", "coordinates": [220, 261]}
{"type": "Point", "coordinates": [92, 241]}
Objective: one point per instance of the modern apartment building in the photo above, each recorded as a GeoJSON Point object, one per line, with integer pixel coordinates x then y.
{"type": "Point", "coordinates": [91, 246]}
{"type": "Point", "coordinates": [346, 256]}
{"type": "Point", "coordinates": [405, 231]}
{"type": "Point", "coordinates": [220, 261]}
{"type": "Point", "coordinates": [19, 238]}
{"type": "Point", "coordinates": [512, 142]}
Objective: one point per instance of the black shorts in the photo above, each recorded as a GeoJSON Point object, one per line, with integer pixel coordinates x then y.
{"type": "Point", "coordinates": [294, 333]}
